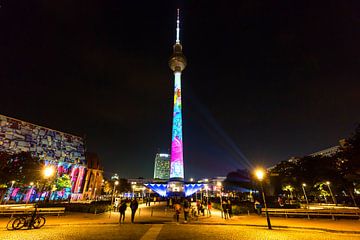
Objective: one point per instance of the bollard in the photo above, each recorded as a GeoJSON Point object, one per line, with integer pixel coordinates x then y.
{"type": "Point", "coordinates": [95, 211]}
{"type": "Point", "coordinates": [248, 213]}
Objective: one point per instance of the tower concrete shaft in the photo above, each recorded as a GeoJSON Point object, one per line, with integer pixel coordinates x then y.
{"type": "Point", "coordinates": [177, 64]}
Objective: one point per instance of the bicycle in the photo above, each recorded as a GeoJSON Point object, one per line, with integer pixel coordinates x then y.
{"type": "Point", "coordinates": [30, 221]}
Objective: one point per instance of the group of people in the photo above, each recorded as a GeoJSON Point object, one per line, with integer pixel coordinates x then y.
{"type": "Point", "coordinates": [184, 205]}
{"type": "Point", "coordinates": [134, 205]}
{"type": "Point", "coordinates": [226, 209]}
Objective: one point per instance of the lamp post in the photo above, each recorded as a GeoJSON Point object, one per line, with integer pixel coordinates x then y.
{"type": "Point", "coordinates": [112, 197]}
{"type": "Point", "coordinates": [207, 199]}
{"type": "Point", "coordinates": [303, 188]}
{"type": "Point", "coordinates": [133, 188]}
{"type": "Point", "coordinates": [219, 185]}
{"type": "Point", "coordinates": [10, 191]}
{"type": "Point", "coordinates": [260, 176]}
{"type": "Point", "coordinates": [48, 172]}
{"type": "Point", "coordinates": [307, 202]}
{"type": "Point", "coordinates": [30, 192]}
{"type": "Point", "coordinates": [332, 195]}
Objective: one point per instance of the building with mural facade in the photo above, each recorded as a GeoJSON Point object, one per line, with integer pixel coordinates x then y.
{"type": "Point", "coordinates": [65, 152]}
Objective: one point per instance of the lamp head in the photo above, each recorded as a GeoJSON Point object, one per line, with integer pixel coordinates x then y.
{"type": "Point", "coordinates": [259, 173]}
{"type": "Point", "coordinates": [49, 171]}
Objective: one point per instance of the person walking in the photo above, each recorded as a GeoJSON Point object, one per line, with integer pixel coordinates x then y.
{"type": "Point", "coordinates": [209, 208]}
{"type": "Point", "coordinates": [177, 208]}
{"type": "Point", "coordinates": [134, 206]}
{"type": "Point", "coordinates": [229, 208]}
{"type": "Point", "coordinates": [224, 209]}
{"type": "Point", "coordinates": [122, 210]}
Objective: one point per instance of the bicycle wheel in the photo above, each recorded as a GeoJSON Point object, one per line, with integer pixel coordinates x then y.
{"type": "Point", "coordinates": [39, 221]}
{"type": "Point", "coordinates": [9, 225]}
{"type": "Point", "coordinates": [19, 223]}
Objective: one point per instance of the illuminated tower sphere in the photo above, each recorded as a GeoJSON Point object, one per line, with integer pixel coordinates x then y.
{"type": "Point", "coordinates": [177, 63]}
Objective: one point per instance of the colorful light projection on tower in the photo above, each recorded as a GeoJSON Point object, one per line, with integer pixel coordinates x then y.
{"type": "Point", "coordinates": [177, 63]}
{"type": "Point", "coordinates": [177, 164]}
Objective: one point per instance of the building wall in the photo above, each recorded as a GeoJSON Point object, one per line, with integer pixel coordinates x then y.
{"type": "Point", "coordinates": [63, 151]}
{"type": "Point", "coordinates": [47, 144]}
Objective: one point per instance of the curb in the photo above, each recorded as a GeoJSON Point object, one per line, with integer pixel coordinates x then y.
{"type": "Point", "coordinates": [219, 224]}
{"type": "Point", "coordinates": [284, 227]}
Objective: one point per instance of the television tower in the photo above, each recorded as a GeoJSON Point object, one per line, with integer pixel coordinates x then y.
{"type": "Point", "coordinates": [177, 64]}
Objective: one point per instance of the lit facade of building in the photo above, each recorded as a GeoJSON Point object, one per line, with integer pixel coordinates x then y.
{"type": "Point", "coordinates": [162, 166]}
{"type": "Point", "coordinates": [63, 151]}
{"type": "Point", "coordinates": [93, 177]}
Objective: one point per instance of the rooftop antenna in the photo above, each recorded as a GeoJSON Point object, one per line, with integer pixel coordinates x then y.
{"type": "Point", "coordinates": [178, 26]}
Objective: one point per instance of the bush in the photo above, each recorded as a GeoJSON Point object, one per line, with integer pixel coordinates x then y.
{"type": "Point", "coordinates": [240, 208]}
{"type": "Point", "coordinates": [94, 207]}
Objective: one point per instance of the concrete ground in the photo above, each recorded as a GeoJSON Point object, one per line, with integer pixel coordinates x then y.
{"type": "Point", "coordinates": [159, 214]}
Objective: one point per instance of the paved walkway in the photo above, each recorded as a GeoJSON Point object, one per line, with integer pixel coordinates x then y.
{"type": "Point", "coordinates": [160, 214]}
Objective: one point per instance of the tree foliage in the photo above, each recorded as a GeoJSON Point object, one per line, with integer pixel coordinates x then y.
{"type": "Point", "coordinates": [21, 167]}
{"type": "Point", "coordinates": [341, 169]}
{"type": "Point", "coordinates": [63, 182]}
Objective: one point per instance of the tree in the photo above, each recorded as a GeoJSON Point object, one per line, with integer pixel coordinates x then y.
{"type": "Point", "coordinates": [108, 187]}
{"type": "Point", "coordinates": [238, 181]}
{"type": "Point", "coordinates": [21, 167]}
{"type": "Point", "coordinates": [63, 182]}
{"type": "Point", "coordinates": [349, 162]}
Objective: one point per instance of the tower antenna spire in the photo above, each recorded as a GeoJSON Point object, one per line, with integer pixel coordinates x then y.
{"type": "Point", "coordinates": [178, 26]}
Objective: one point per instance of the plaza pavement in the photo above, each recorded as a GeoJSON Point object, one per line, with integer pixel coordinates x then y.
{"type": "Point", "coordinates": [158, 213]}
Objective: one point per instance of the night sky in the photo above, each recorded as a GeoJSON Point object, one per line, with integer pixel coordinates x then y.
{"type": "Point", "coordinates": [266, 80]}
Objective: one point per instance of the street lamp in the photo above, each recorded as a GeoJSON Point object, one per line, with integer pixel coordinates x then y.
{"type": "Point", "coordinates": [133, 188]}
{"type": "Point", "coordinates": [49, 171]}
{"type": "Point", "coordinates": [260, 176]}
{"type": "Point", "coordinates": [332, 196]}
{"type": "Point", "coordinates": [207, 198]}
{"type": "Point", "coordinates": [10, 191]}
{"type": "Point", "coordinates": [219, 185]}
{"type": "Point", "coordinates": [303, 188]}
{"type": "Point", "coordinates": [30, 192]}
{"type": "Point", "coordinates": [112, 197]}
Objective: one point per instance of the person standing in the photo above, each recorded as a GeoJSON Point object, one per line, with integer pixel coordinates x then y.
{"type": "Point", "coordinates": [186, 210]}
{"type": "Point", "coordinates": [122, 210]}
{"type": "Point", "coordinates": [257, 207]}
{"type": "Point", "coordinates": [134, 206]}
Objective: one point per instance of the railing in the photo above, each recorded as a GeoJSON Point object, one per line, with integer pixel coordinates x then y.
{"type": "Point", "coordinates": [21, 209]}
{"type": "Point", "coordinates": [333, 213]}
